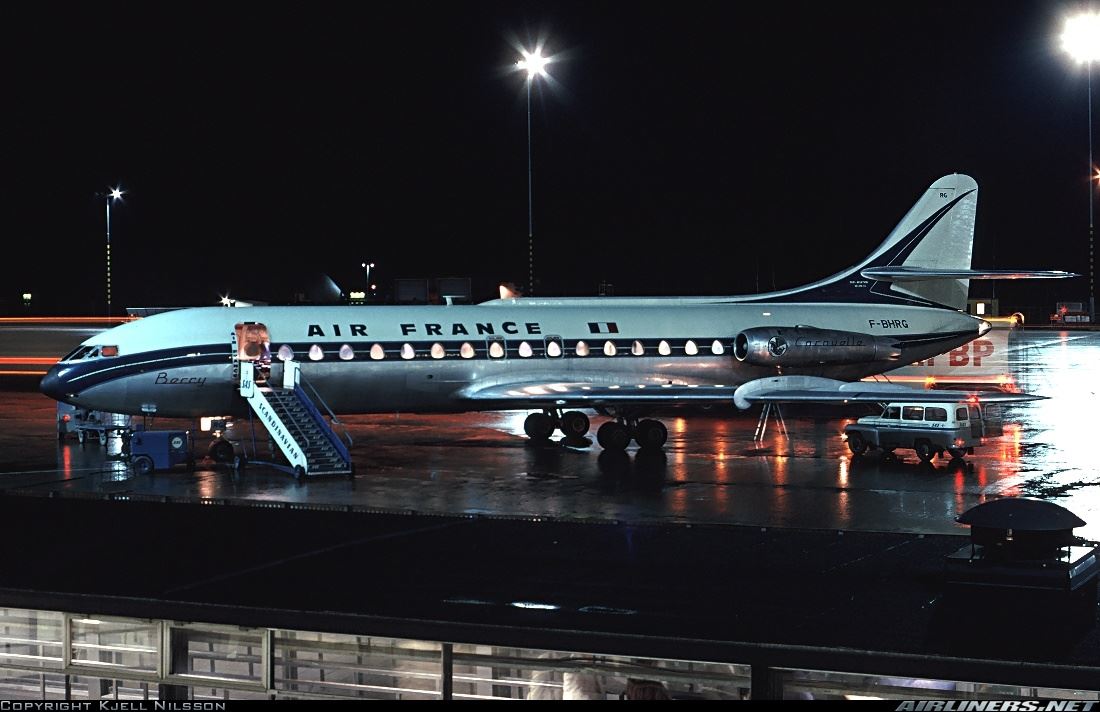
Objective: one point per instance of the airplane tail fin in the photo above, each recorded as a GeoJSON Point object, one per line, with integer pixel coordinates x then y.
{"type": "Point", "coordinates": [937, 234]}
{"type": "Point", "coordinates": [920, 261]}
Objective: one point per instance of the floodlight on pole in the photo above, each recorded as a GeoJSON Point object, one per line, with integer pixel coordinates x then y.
{"type": "Point", "coordinates": [115, 194]}
{"type": "Point", "coordinates": [1081, 39]}
{"type": "Point", "coordinates": [535, 65]}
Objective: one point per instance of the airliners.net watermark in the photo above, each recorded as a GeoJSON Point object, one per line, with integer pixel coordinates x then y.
{"type": "Point", "coordinates": [996, 706]}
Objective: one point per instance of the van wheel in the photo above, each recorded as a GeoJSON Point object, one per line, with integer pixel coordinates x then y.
{"type": "Point", "coordinates": [857, 444]}
{"type": "Point", "coordinates": [924, 451]}
{"type": "Point", "coordinates": [143, 464]}
{"type": "Point", "coordinates": [221, 451]}
{"type": "Point", "coordinates": [957, 453]}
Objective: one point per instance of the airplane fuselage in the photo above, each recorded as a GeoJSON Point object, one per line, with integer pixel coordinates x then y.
{"type": "Point", "coordinates": [376, 359]}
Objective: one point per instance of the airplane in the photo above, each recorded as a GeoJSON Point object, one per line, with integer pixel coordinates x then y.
{"type": "Point", "coordinates": [623, 357]}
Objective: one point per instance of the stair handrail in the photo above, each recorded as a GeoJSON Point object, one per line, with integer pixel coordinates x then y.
{"type": "Point", "coordinates": [331, 415]}
{"type": "Point", "coordinates": [330, 435]}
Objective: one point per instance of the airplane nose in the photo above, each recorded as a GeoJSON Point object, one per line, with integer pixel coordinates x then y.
{"type": "Point", "coordinates": [52, 385]}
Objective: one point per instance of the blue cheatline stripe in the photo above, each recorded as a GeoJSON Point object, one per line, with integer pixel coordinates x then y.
{"type": "Point", "coordinates": [85, 374]}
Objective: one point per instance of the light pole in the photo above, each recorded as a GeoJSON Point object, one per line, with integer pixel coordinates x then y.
{"type": "Point", "coordinates": [115, 194]}
{"type": "Point", "coordinates": [367, 267]}
{"type": "Point", "coordinates": [1081, 38]}
{"type": "Point", "coordinates": [535, 65]}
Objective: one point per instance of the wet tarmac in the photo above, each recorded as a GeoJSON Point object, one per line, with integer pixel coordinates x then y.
{"type": "Point", "coordinates": [709, 472]}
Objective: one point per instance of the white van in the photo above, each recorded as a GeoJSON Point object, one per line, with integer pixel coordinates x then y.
{"type": "Point", "coordinates": [929, 429]}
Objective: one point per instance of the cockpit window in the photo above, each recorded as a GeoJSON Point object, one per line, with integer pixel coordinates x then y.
{"type": "Point", "coordinates": [89, 352]}
{"type": "Point", "coordinates": [75, 353]}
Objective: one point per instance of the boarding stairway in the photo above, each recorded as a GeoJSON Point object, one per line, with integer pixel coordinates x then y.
{"type": "Point", "coordinates": [295, 424]}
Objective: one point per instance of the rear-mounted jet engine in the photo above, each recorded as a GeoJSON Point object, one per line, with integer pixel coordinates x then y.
{"type": "Point", "coordinates": [809, 346]}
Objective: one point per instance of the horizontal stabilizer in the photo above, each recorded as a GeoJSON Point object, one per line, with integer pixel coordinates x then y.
{"type": "Point", "coordinates": [814, 389]}
{"type": "Point", "coordinates": [919, 274]}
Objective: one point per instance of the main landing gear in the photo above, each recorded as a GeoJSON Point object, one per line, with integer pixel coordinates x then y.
{"type": "Point", "coordinates": [617, 434]}
{"type": "Point", "coordinates": [540, 426]}
{"type": "Point", "coordinates": [612, 435]}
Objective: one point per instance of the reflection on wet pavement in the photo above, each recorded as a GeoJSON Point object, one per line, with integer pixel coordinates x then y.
{"type": "Point", "coordinates": [710, 471]}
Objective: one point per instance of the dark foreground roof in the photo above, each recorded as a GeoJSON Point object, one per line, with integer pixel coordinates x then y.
{"type": "Point", "coordinates": [690, 592]}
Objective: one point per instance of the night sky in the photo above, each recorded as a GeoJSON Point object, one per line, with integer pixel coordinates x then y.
{"type": "Point", "coordinates": [684, 148]}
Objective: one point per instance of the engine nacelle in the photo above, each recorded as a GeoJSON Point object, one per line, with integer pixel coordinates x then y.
{"type": "Point", "coordinates": [809, 346]}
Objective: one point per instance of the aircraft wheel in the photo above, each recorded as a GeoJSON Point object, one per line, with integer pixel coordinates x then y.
{"type": "Point", "coordinates": [857, 444]}
{"type": "Point", "coordinates": [574, 424]}
{"type": "Point", "coordinates": [81, 437]}
{"type": "Point", "coordinates": [538, 426]}
{"type": "Point", "coordinates": [924, 451]}
{"type": "Point", "coordinates": [613, 436]}
{"type": "Point", "coordinates": [143, 464]}
{"type": "Point", "coordinates": [221, 451]}
{"type": "Point", "coordinates": [239, 462]}
{"type": "Point", "coordinates": [651, 434]}
{"type": "Point", "coordinates": [102, 437]}
{"type": "Point", "coordinates": [957, 453]}
{"type": "Point", "coordinates": [299, 472]}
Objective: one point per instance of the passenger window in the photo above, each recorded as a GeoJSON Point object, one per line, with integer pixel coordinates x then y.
{"type": "Point", "coordinates": [553, 347]}
{"type": "Point", "coordinates": [525, 350]}
{"type": "Point", "coordinates": [467, 350]}
{"type": "Point", "coordinates": [582, 348]}
{"type": "Point", "coordinates": [975, 412]}
{"type": "Point", "coordinates": [438, 351]}
{"type": "Point", "coordinates": [690, 348]}
{"type": "Point", "coordinates": [664, 349]}
{"type": "Point", "coordinates": [939, 415]}
{"type": "Point", "coordinates": [496, 347]}
{"type": "Point", "coordinates": [637, 349]}
{"type": "Point", "coordinates": [346, 353]}
{"type": "Point", "coordinates": [315, 353]}
{"type": "Point", "coordinates": [285, 353]}
{"type": "Point", "coordinates": [960, 414]}
{"type": "Point", "coordinates": [377, 353]}
{"type": "Point", "coordinates": [609, 348]}
{"type": "Point", "coordinates": [912, 412]}
{"type": "Point", "coordinates": [716, 348]}
{"type": "Point", "coordinates": [892, 412]}
{"type": "Point", "coordinates": [407, 352]}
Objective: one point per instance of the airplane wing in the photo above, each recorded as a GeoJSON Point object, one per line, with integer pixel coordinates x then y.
{"type": "Point", "coordinates": [776, 389]}
{"type": "Point", "coordinates": [578, 394]}
{"type": "Point", "coordinates": [813, 389]}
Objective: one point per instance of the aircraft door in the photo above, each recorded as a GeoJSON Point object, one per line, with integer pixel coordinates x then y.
{"type": "Point", "coordinates": [254, 345]}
